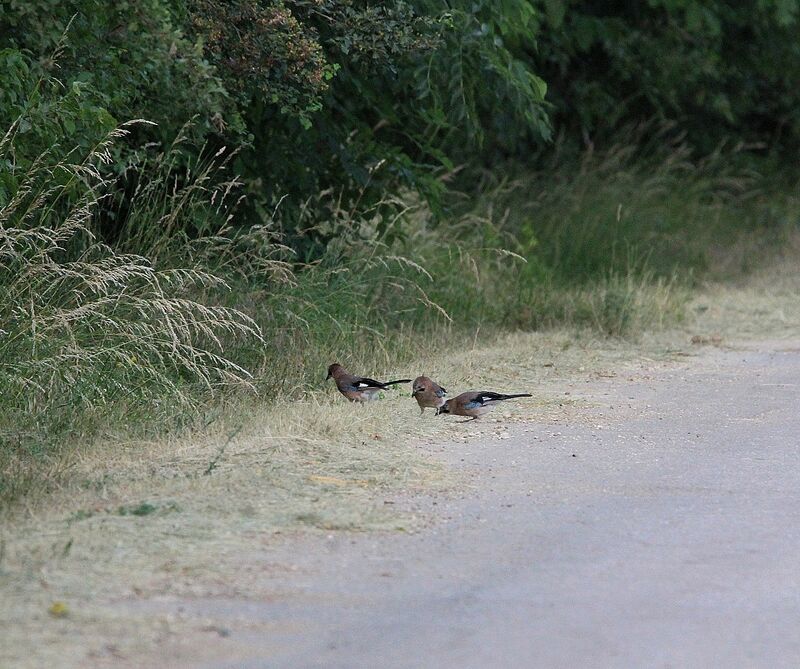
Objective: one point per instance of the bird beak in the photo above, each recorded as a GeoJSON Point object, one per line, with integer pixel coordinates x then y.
{"type": "Point", "coordinates": [329, 376]}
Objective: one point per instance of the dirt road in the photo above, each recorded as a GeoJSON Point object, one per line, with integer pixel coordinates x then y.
{"type": "Point", "coordinates": [661, 530]}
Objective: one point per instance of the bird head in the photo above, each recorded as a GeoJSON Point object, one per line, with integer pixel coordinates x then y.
{"type": "Point", "coordinates": [420, 385]}
{"type": "Point", "coordinates": [332, 369]}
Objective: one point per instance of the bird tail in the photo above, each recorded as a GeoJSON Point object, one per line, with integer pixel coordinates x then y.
{"type": "Point", "coordinates": [394, 383]}
{"type": "Point", "coordinates": [511, 397]}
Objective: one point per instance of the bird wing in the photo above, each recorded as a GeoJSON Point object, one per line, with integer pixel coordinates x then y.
{"type": "Point", "coordinates": [486, 396]}
{"type": "Point", "coordinates": [364, 382]}
{"type": "Point", "coordinates": [470, 400]}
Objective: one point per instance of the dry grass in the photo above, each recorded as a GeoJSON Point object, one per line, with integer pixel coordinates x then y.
{"type": "Point", "coordinates": [763, 305]}
{"type": "Point", "coordinates": [87, 330]}
{"type": "Point", "coordinates": [382, 283]}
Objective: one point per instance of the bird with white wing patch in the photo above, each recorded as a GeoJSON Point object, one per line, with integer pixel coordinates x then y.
{"type": "Point", "coordinates": [358, 388]}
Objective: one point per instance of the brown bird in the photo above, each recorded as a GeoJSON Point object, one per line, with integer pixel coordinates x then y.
{"type": "Point", "coordinates": [358, 388]}
{"type": "Point", "coordinates": [475, 403]}
{"type": "Point", "coordinates": [428, 393]}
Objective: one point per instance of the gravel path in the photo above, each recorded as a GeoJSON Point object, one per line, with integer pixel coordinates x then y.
{"type": "Point", "coordinates": [662, 530]}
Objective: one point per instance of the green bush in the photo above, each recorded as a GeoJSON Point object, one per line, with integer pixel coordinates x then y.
{"type": "Point", "coordinates": [718, 70]}
{"type": "Point", "coordinates": [134, 56]}
{"type": "Point", "coordinates": [372, 99]}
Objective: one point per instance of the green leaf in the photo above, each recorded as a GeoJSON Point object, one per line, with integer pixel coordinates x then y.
{"type": "Point", "coordinates": [555, 10]}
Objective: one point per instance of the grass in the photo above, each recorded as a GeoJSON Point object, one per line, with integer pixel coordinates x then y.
{"type": "Point", "coordinates": [318, 465]}
{"type": "Point", "coordinates": [91, 334]}
{"type": "Point", "coordinates": [172, 320]}
{"type": "Point", "coordinates": [761, 306]}
{"type": "Point", "coordinates": [655, 210]}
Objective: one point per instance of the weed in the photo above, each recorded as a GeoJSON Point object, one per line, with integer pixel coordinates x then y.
{"type": "Point", "coordinates": [146, 509]}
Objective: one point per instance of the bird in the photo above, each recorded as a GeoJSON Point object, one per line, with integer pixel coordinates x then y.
{"type": "Point", "coordinates": [358, 388]}
{"type": "Point", "coordinates": [475, 403]}
{"type": "Point", "coordinates": [428, 393]}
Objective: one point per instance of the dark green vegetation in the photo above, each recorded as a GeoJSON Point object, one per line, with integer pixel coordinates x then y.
{"type": "Point", "coordinates": [333, 179]}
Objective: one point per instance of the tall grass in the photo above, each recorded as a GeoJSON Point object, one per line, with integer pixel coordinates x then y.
{"type": "Point", "coordinates": [156, 323]}
{"type": "Point", "coordinates": [89, 332]}
{"type": "Point", "coordinates": [656, 209]}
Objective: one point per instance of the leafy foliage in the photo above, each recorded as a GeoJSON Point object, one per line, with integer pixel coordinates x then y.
{"type": "Point", "coordinates": [482, 81]}
{"type": "Point", "coordinates": [367, 98]}
{"type": "Point", "coordinates": [40, 112]}
{"type": "Point", "coordinates": [133, 54]}
{"type": "Point", "coordinates": [716, 69]}
{"type": "Point", "coordinates": [264, 51]}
